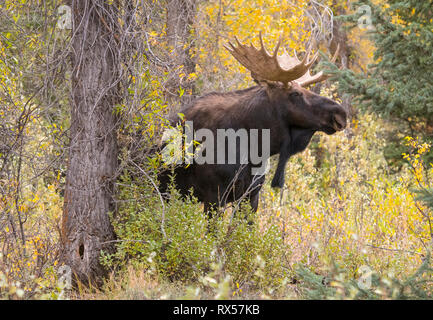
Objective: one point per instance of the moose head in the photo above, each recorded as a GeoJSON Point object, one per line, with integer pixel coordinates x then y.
{"type": "Point", "coordinates": [285, 78]}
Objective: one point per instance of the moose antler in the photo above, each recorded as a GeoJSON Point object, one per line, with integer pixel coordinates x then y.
{"type": "Point", "coordinates": [308, 79]}
{"type": "Point", "coordinates": [284, 68]}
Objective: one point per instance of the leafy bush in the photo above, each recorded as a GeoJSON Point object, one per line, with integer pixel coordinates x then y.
{"type": "Point", "coordinates": [175, 240]}
{"type": "Point", "coordinates": [250, 254]}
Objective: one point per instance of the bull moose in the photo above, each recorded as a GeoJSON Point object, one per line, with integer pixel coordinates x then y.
{"type": "Point", "coordinates": [279, 103]}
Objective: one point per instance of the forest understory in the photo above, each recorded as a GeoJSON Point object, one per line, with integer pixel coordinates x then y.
{"type": "Point", "coordinates": [86, 91]}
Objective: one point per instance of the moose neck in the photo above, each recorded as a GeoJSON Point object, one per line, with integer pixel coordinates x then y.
{"type": "Point", "coordinates": [262, 113]}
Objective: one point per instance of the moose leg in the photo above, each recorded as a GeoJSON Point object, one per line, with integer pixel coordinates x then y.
{"type": "Point", "coordinates": [254, 201]}
{"type": "Point", "coordinates": [298, 141]}
{"type": "Point", "coordinates": [209, 208]}
{"type": "Point", "coordinates": [255, 191]}
{"type": "Point", "coordinates": [285, 153]}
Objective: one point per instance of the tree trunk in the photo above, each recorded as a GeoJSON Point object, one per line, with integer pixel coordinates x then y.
{"type": "Point", "coordinates": [181, 15]}
{"type": "Point", "coordinates": [86, 228]}
{"type": "Point", "coordinates": [340, 37]}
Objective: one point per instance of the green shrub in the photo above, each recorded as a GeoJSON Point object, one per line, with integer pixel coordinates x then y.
{"type": "Point", "coordinates": [176, 241]}
{"type": "Point", "coordinates": [169, 239]}
{"type": "Point", "coordinates": [253, 255]}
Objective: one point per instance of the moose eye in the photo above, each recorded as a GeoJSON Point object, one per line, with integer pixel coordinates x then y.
{"type": "Point", "coordinates": [295, 94]}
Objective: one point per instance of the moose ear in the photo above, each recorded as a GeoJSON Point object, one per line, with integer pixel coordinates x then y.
{"type": "Point", "coordinates": [269, 87]}
{"type": "Point", "coordinates": [273, 89]}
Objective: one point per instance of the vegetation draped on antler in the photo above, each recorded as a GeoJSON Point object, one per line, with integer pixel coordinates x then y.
{"type": "Point", "coordinates": [284, 68]}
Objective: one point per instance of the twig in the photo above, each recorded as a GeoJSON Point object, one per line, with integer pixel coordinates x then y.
{"type": "Point", "coordinates": [395, 250]}
{"type": "Point", "coordinates": [125, 240]}
{"type": "Point", "coordinates": [160, 197]}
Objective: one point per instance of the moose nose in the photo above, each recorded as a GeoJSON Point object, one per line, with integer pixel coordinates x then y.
{"type": "Point", "coordinates": [339, 122]}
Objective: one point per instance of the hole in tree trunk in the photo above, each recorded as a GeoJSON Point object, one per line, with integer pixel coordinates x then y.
{"type": "Point", "coordinates": [81, 251]}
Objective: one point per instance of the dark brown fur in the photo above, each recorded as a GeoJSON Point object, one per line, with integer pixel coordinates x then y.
{"type": "Point", "coordinates": [293, 115]}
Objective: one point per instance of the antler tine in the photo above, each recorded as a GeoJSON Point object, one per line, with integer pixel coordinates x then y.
{"type": "Point", "coordinates": [264, 66]}
{"type": "Point", "coordinates": [306, 60]}
{"type": "Point", "coordinates": [334, 58]}
{"type": "Point", "coordinates": [307, 55]}
{"type": "Point", "coordinates": [263, 48]}
{"type": "Point", "coordinates": [308, 79]}
{"type": "Point", "coordinates": [309, 64]}
{"type": "Point", "coordinates": [262, 45]}
{"type": "Point", "coordinates": [274, 55]}
{"type": "Point", "coordinates": [238, 42]}
{"type": "Point", "coordinates": [228, 48]}
{"type": "Point", "coordinates": [295, 54]}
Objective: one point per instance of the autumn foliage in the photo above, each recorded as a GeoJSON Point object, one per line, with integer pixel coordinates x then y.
{"type": "Point", "coordinates": [348, 201]}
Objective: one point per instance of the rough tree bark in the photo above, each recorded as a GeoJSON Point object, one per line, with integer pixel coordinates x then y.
{"type": "Point", "coordinates": [181, 15]}
{"type": "Point", "coordinates": [86, 228]}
